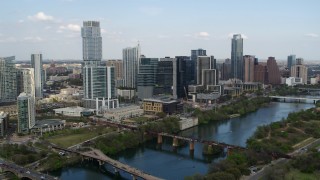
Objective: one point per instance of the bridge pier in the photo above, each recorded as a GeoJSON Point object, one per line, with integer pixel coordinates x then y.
{"type": "Point", "coordinates": [175, 142]}
{"type": "Point", "coordinates": [100, 162]}
{"type": "Point", "coordinates": [159, 139]}
{"type": "Point", "coordinates": [134, 177]}
{"type": "Point", "coordinates": [191, 148]}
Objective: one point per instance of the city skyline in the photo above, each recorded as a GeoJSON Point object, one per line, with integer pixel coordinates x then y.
{"type": "Point", "coordinates": [163, 29]}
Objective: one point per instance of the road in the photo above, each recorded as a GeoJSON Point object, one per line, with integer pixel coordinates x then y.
{"type": "Point", "coordinates": [264, 170]}
{"type": "Point", "coordinates": [24, 172]}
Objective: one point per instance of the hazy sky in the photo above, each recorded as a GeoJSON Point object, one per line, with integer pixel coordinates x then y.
{"type": "Point", "coordinates": [163, 27]}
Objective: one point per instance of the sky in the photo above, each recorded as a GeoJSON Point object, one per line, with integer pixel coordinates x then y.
{"type": "Point", "coordinates": [163, 27]}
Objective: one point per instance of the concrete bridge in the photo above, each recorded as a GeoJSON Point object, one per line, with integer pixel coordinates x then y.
{"type": "Point", "coordinates": [297, 99]}
{"type": "Point", "coordinates": [192, 141]}
{"type": "Point", "coordinates": [102, 159]}
{"type": "Point", "coordinates": [309, 89]}
{"type": "Point", "coordinates": [23, 173]}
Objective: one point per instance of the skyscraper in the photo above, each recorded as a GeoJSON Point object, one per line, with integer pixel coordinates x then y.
{"type": "Point", "coordinates": [164, 78]}
{"type": "Point", "coordinates": [8, 80]}
{"type": "Point", "coordinates": [147, 77]}
{"type": "Point", "coordinates": [205, 63]}
{"type": "Point", "coordinates": [237, 57]}
{"type": "Point", "coordinates": [36, 64]}
{"type": "Point", "coordinates": [291, 61]}
{"type": "Point", "coordinates": [26, 112]}
{"type": "Point", "coordinates": [131, 58]}
{"type": "Point", "coordinates": [118, 68]}
{"type": "Point", "coordinates": [248, 68]}
{"type": "Point", "coordinates": [273, 71]}
{"type": "Point", "coordinates": [91, 42]}
{"type": "Point", "coordinates": [98, 80]}
{"type": "Point", "coordinates": [28, 81]}
{"type": "Point", "coordinates": [193, 69]}
{"type": "Point", "coordinates": [226, 69]}
{"type": "Point", "coordinates": [299, 70]}
{"type": "Point", "coordinates": [180, 85]}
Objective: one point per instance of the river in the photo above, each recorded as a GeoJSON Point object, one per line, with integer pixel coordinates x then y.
{"type": "Point", "coordinates": [167, 164]}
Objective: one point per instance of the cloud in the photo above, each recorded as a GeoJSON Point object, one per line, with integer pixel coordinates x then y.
{"type": "Point", "coordinates": [230, 35]}
{"type": "Point", "coordinates": [103, 31]}
{"type": "Point", "coordinates": [201, 35]}
{"type": "Point", "coordinates": [21, 21]}
{"type": "Point", "coordinates": [41, 16]}
{"type": "Point", "coordinates": [312, 35]}
{"type": "Point", "coordinates": [35, 39]}
{"type": "Point", "coordinates": [161, 36]}
{"type": "Point", "coordinates": [70, 27]}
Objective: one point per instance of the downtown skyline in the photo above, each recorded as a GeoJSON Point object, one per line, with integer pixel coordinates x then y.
{"type": "Point", "coordinates": [163, 28]}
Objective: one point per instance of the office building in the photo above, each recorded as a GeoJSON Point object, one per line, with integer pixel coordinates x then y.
{"type": "Point", "coordinates": [164, 78]}
{"type": "Point", "coordinates": [131, 58]}
{"type": "Point", "coordinates": [205, 62]}
{"type": "Point", "coordinates": [300, 71]}
{"type": "Point", "coordinates": [147, 77]}
{"type": "Point", "coordinates": [274, 77]}
{"type": "Point", "coordinates": [180, 85]}
{"type": "Point", "coordinates": [118, 68]}
{"type": "Point", "coordinates": [291, 61]}
{"type": "Point", "coordinates": [8, 80]}
{"type": "Point", "coordinates": [36, 64]}
{"type": "Point", "coordinates": [26, 113]}
{"type": "Point", "coordinates": [299, 61]}
{"type": "Point", "coordinates": [194, 57]}
{"type": "Point", "coordinates": [261, 73]}
{"type": "Point", "coordinates": [249, 62]}
{"type": "Point", "coordinates": [237, 57]}
{"type": "Point", "coordinates": [226, 70]}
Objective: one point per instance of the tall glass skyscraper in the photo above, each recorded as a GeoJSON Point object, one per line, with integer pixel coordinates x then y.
{"type": "Point", "coordinates": [8, 80]}
{"type": "Point", "coordinates": [98, 80]}
{"type": "Point", "coordinates": [237, 57]}
{"type": "Point", "coordinates": [131, 60]}
{"type": "Point", "coordinates": [26, 112]}
{"type": "Point", "coordinates": [291, 61]}
{"type": "Point", "coordinates": [147, 77]}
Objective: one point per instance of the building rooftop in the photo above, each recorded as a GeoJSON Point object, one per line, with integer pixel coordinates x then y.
{"type": "Point", "coordinates": [48, 122]}
{"type": "Point", "coordinates": [74, 108]}
{"type": "Point", "coordinates": [161, 99]}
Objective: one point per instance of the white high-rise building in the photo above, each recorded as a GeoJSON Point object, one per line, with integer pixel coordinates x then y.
{"type": "Point", "coordinates": [28, 82]}
{"type": "Point", "coordinates": [26, 112]}
{"type": "Point", "coordinates": [95, 76]}
{"type": "Point", "coordinates": [36, 64]}
{"type": "Point", "coordinates": [131, 60]}
{"type": "Point", "coordinates": [8, 80]}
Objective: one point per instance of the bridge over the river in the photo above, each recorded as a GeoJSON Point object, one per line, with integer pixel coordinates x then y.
{"type": "Point", "coordinates": [298, 99]}
{"type": "Point", "coordinates": [102, 159]}
{"type": "Point", "coordinates": [23, 172]}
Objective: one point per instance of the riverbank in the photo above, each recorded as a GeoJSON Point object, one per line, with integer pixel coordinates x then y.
{"type": "Point", "coordinates": [240, 107]}
{"type": "Point", "coordinates": [268, 142]}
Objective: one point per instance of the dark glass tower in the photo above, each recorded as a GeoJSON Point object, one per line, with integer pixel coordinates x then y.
{"type": "Point", "coordinates": [237, 57]}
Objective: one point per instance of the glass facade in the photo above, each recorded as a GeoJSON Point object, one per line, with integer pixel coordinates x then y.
{"type": "Point", "coordinates": [237, 57]}
{"type": "Point", "coordinates": [36, 64]}
{"type": "Point", "coordinates": [8, 80]}
{"type": "Point", "coordinates": [131, 58]}
{"type": "Point", "coordinates": [26, 112]}
{"type": "Point", "coordinates": [91, 42]}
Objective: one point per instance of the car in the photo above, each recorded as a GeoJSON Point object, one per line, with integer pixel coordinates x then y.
{"type": "Point", "coordinates": [28, 172]}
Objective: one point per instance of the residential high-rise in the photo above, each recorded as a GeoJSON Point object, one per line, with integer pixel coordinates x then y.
{"type": "Point", "coordinates": [91, 42]}
{"type": "Point", "coordinates": [147, 77]}
{"type": "Point", "coordinates": [300, 71]}
{"type": "Point", "coordinates": [273, 71]}
{"type": "Point", "coordinates": [26, 112]}
{"type": "Point", "coordinates": [36, 64]}
{"type": "Point", "coordinates": [28, 81]}
{"type": "Point", "coordinates": [98, 80]}
{"type": "Point", "coordinates": [248, 68]}
{"type": "Point", "coordinates": [164, 78]}
{"type": "Point", "coordinates": [237, 57]}
{"type": "Point", "coordinates": [193, 69]}
{"type": "Point", "coordinates": [131, 58]}
{"type": "Point", "coordinates": [8, 80]}
{"type": "Point", "coordinates": [4, 123]}
{"type": "Point", "coordinates": [291, 61]}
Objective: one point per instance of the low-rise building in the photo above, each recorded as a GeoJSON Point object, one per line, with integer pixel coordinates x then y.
{"type": "Point", "coordinates": [75, 111]}
{"type": "Point", "coordinates": [48, 125]}
{"type": "Point", "coordinates": [122, 113]}
{"type": "Point", "coordinates": [165, 105]}
{"type": "Point", "coordinates": [4, 118]}
{"type": "Point", "coordinates": [187, 122]}
{"type": "Point", "coordinates": [292, 81]}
